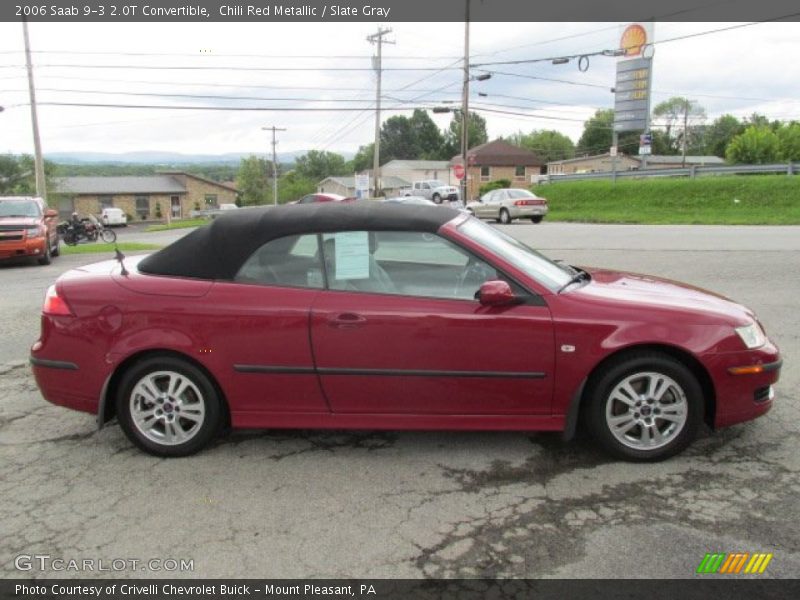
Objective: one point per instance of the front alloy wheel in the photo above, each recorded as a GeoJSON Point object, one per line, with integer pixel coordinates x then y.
{"type": "Point", "coordinates": [646, 408]}
{"type": "Point", "coordinates": [168, 407]}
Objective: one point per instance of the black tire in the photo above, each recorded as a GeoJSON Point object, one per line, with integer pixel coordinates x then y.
{"type": "Point", "coordinates": [203, 392]}
{"type": "Point", "coordinates": [109, 237]}
{"type": "Point", "coordinates": [537, 219]}
{"type": "Point", "coordinates": [437, 199]}
{"type": "Point", "coordinates": [70, 239]}
{"type": "Point", "coordinates": [505, 217]}
{"type": "Point", "coordinates": [46, 258]}
{"type": "Point", "coordinates": [631, 366]}
{"type": "Point", "coordinates": [471, 212]}
{"type": "Point", "coordinates": [57, 250]}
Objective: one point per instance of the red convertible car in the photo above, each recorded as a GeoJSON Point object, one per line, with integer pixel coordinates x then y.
{"type": "Point", "coordinates": [374, 316]}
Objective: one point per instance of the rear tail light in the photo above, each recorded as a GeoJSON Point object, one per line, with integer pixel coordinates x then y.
{"type": "Point", "coordinates": [531, 202]}
{"type": "Point", "coordinates": [55, 304]}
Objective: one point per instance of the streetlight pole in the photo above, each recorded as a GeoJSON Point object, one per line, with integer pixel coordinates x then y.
{"type": "Point", "coordinates": [465, 110]}
{"type": "Point", "coordinates": [41, 190]}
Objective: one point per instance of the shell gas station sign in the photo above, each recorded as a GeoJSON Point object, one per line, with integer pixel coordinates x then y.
{"type": "Point", "coordinates": [634, 76]}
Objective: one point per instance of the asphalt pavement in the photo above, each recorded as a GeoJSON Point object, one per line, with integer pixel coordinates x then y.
{"type": "Point", "coordinates": [418, 504]}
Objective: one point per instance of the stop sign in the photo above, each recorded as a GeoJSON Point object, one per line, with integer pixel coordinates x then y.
{"type": "Point", "coordinates": [458, 171]}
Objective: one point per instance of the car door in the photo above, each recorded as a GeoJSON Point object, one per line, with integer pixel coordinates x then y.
{"type": "Point", "coordinates": [398, 331]}
{"type": "Point", "coordinates": [483, 209]}
{"type": "Point", "coordinates": [259, 325]}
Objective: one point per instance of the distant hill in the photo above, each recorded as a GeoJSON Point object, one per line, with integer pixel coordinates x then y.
{"type": "Point", "coordinates": [165, 159]}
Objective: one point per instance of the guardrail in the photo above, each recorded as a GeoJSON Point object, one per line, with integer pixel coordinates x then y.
{"type": "Point", "coordinates": [693, 171]}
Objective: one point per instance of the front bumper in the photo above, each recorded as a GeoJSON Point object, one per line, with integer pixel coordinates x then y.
{"type": "Point", "coordinates": [20, 245]}
{"type": "Point", "coordinates": [743, 382]}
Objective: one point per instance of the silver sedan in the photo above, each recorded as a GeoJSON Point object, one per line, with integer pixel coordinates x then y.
{"type": "Point", "coordinates": [507, 204]}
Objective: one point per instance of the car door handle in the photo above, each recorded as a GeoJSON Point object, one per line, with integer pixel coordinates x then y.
{"type": "Point", "coordinates": [347, 321]}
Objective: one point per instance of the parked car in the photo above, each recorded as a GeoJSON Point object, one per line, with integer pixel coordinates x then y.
{"type": "Point", "coordinates": [28, 228]}
{"type": "Point", "coordinates": [320, 197]}
{"type": "Point", "coordinates": [111, 217]}
{"type": "Point", "coordinates": [415, 200]}
{"type": "Point", "coordinates": [228, 206]}
{"type": "Point", "coordinates": [383, 316]}
{"type": "Point", "coordinates": [507, 204]}
{"type": "Point", "coordinates": [432, 189]}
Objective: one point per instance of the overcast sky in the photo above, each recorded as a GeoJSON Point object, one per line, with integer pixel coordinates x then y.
{"type": "Point", "coordinates": [740, 71]}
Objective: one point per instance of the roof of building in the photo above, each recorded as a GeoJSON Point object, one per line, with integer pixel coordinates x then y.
{"type": "Point", "coordinates": [218, 250]}
{"type": "Point", "coordinates": [389, 181]}
{"type": "Point", "coordinates": [499, 153]}
{"type": "Point", "coordinates": [417, 165]}
{"type": "Point", "coordinates": [164, 183]}
{"type": "Point", "coordinates": [224, 184]}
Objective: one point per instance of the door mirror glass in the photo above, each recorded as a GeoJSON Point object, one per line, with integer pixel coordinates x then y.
{"type": "Point", "coordinates": [496, 293]}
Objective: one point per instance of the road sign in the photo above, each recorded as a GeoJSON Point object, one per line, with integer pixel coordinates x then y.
{"type": "Point", "coordinates": [362, 185]}
{"type": "Point", "coordinates": [458, 171]}
{"type": "Point", "coordinates": [612, 151]}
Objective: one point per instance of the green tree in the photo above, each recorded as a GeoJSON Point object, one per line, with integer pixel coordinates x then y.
{"type": "Point", "coordinates": [428, 140]}
{"type": "Point", "coordinates": [673, 114]}
{"type": "Point", "coordinates": [293, 186]}
{"type": "Point", "coordinates": [317, 165]}
{"type": "Point", "coordinates": [757, 145]}
{"type": "Point", "coordinates": [397, 139]}
{"type": "Point", "coordinates": [789, 138]}
{"type": "Point", "coordinates": [252, 181]}
{"type": "Point", "coordinates": [547, 144]}
{"type": "Point", "coordinates": [18, 175]}
{"type": "Point", "coordinates": [362, 161]}
{"type": "Point", "coordinates": [476, 133]}
{"type": "Point", "coordinates": [598, 134]}
{"type": "Point", "coordinates": [720, 133]}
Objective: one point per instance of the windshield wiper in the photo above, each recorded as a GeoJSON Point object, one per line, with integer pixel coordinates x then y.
{"type": "Point", "coordinates": [576, 278]}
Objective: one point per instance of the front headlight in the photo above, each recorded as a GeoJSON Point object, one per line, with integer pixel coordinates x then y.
{"type": "Point", "coordinates": [752, 335]}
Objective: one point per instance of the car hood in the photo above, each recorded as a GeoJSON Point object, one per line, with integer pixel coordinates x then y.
{"type": "Point", "coordinates": [19, 221]}
{"type": "Point", "coordinates": [648, 293]}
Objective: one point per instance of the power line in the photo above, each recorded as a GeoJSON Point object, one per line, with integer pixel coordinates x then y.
{"type": "Point", "coordinates": [218, 68]}
{"type": "Point", "coordinates": [223, 108]}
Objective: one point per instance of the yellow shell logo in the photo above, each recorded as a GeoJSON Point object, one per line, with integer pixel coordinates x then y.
{"type": "Point", "coordinates": [633, 40]}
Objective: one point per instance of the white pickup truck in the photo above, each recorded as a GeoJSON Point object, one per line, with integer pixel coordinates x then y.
{"type": "Point", "coordinates": [432, 189]}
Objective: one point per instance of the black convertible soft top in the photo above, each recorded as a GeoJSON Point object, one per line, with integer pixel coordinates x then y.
{"type": "Point", "coordinates": [218, 250]}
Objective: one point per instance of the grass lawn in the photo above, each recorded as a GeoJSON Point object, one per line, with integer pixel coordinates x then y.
{"type": "Point", "coordinates": [723, 200]}
{"type": "Point", "coordinates": [178, 225]}
{"type": "Point", "coordinates": [106, 248]}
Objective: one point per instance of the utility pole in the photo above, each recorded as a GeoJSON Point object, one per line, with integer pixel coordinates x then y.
{"type": "Point", "coordinates": [686, 105]}
{"type": "Point", "coordinates": [41, 190]}
{"type": "Point", "coordinates": [377, 38]}
{"type": "Point", "coordinates": [465, 110]}
{"type": "Point", "coordinates": [274, 129]}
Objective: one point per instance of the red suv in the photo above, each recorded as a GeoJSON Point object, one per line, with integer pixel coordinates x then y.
{"type": "Point", "coordinates": [27, 228]}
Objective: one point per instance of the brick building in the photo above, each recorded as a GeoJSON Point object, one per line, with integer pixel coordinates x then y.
{"type": "Point", "coordinates": [498, 160]}
{"type": "Point", "coordinates": [141, 197]}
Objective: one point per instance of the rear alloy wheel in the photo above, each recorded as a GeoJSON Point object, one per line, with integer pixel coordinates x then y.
{"type": "Point", "coordinates": [537, 219]}
{"type": "Point", "coordinates": [168, 407]}
{"type": "Point", "coordinates": [505, 218]}
{"type": "Point", "coordinates": [45, 259]}
{"type": "Point", "coordinates": [646, 407]}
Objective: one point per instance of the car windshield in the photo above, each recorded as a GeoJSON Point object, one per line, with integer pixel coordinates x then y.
{"type": "Point", "coordinates": [539, 267]}
{"type": "Point", "coordinates": [521, 194]}
{"type": "Point", "coordinates": [19, 208]}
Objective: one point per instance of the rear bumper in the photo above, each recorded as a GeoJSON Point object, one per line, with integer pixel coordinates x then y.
{"type": "Point", "coordinates": [750, 394]}
{"type": "Point", "coordinates": [62, 383]}
{"type": "Point", "coordinates": [521, 212]}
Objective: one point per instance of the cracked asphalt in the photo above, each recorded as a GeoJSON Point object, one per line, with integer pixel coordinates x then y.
{"type": "Point", "coordinates": [419, 504]}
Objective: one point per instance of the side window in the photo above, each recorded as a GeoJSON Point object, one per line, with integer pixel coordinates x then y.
{"type": "Point", "coordinates": [404, 263]}
{"type": "Point", "coordinates": [291, 261]}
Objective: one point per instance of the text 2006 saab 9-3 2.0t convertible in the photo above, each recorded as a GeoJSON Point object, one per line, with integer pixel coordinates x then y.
{"type": "Point", "coordinates": [371, 316]}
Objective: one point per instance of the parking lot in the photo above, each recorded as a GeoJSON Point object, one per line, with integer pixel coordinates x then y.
{"type": "Point", "coordinates": [418, 504]}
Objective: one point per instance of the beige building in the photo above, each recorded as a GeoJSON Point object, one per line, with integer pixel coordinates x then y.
{"type": "Point", "coordinates": [346, 186]}
{"type": "Point", "coordinates": [418, 170]}
{"type": "Point", "coordinates": [498, 160]}
{"type": "Point", "coordinates": [603, 163]}
{"type": "Point", "coordinates": [142, 197]}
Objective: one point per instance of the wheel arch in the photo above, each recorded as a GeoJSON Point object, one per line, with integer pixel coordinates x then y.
{"type": "Point", "coordinates": [106, 409]}
{"type": "Point", "coordinates": [580, 397]}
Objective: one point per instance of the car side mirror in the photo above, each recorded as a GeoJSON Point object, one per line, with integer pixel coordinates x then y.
{"type": "Point", "coordinates": [50, 213]}
{"type": "Point", "coordinates": [496, 293]}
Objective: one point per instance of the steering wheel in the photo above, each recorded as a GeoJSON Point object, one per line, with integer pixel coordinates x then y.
{"type": "Point", "coordinates": [473, 271]}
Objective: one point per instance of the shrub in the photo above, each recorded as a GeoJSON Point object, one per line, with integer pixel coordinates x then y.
{"type": "Point", "coordinates": [494, 185]}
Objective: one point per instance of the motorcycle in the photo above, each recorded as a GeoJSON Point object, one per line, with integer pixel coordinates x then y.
{"type": "Point", "coordinates": [89, 229]}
